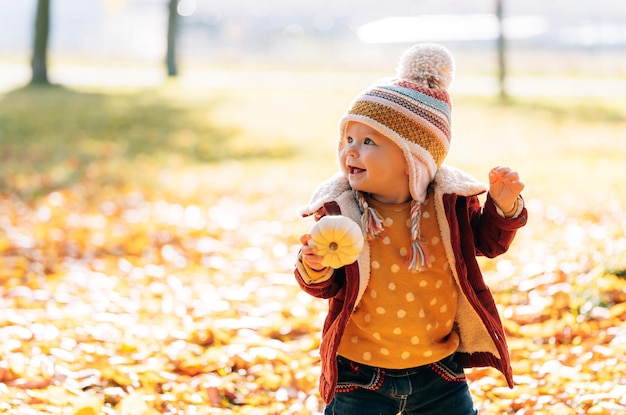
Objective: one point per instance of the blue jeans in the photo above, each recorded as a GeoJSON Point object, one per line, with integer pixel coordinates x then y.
{"type": "Point", "coordinates": [436, 389]}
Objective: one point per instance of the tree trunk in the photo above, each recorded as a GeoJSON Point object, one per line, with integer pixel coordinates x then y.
{"type": "Point", "coordinates": [501, 50]}
{"type": "Point", "coordinates": [172, 24]}
{"type": "Point", "coordinates": [39, 62]}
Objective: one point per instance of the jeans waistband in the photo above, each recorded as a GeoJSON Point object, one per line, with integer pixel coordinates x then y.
{"type": "Point", "coordinates": [395, 372]}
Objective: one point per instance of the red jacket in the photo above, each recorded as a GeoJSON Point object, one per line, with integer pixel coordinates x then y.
{"type": "Point", "coordinates": [469, 230]}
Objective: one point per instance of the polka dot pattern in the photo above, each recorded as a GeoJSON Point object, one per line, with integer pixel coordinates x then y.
{"type": "Point", "coordinates": [405, 318]}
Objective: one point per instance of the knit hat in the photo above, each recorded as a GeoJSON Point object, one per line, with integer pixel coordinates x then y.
{"type": "Point", "coordinates": [413, 110]}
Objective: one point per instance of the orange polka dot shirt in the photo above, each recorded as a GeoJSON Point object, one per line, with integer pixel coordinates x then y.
{"type": "Point", "coordinates": [405, 318]}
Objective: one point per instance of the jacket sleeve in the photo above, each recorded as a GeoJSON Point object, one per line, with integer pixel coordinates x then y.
{"type": "Point", "coordinates": [310, 276]}
{"type": "Point", "coordinates": [325, 289]}
{"type": "Point", "coordinates": [493, 234]}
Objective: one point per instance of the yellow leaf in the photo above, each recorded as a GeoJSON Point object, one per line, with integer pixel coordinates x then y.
{"type": "Point", "coordinates": [618, 310]}
{"type": "Point", "coordinates": [134, 404]}
{"type": "Point", "coordinates": [88, 406]}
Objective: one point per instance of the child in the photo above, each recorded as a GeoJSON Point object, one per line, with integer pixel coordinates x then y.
{"type": "Point", "coordinates": [413, 310]}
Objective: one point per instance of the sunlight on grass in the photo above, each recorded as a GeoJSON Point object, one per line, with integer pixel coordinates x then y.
{"type": "Point", "coordinates": [52, 137]}
{"type": "Point", "coordinates": [565, 157]}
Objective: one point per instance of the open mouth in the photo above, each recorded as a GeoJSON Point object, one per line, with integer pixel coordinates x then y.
{"type": "Point", "coordinates": [355, 170]}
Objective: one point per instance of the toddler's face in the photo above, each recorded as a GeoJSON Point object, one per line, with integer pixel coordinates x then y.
{"type": "Point", "coordinates": [374, 164]}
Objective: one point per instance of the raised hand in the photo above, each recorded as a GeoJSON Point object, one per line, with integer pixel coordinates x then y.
{"type": "Point", "coordinates": [504, 187]}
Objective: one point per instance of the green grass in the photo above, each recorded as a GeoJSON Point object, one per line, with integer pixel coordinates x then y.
{"type": "Point", "coordinates": [51, 136]}
{"type": "Point", "coordinates": [569, 152]}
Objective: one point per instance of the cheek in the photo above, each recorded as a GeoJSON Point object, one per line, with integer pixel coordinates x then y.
{"type": "Point", "coordinates": [342, 162]}
{"type": "Point", "coordinates": [401, 161]}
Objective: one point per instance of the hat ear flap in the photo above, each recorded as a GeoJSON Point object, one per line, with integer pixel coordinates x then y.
{"type": "Point", "coordinates": [414, 111]}
{"type": "Point", "coordinates": [420, 177]}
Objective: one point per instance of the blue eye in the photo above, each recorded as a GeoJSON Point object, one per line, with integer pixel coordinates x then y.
{"type": "Point", "coordinates": [369, 141]}
{"type": "Point", "coordinates": [349, 140]}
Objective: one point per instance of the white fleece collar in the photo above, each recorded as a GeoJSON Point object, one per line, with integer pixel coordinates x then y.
{"type": "Point", "coordinates": [447, 180]}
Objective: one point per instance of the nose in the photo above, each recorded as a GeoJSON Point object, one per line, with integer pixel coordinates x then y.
{"type": "Point", "coordinates": [350, 150]}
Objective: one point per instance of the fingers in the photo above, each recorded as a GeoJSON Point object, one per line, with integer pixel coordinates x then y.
{"type": "Point", "coordinates": [505, 187]}
{"type": "Point", "coordinates": [507, 177]}
{"type": "Point", "coordinates": [305, 238]}
{"type": "Point", "coordinates": [309, 253]}
{"type": "Point", "coordinates": [516, 186]}
{"type": "Point", "coordinates": [499, 172]}
{"type": "Point", "coordinates": [306, 248]}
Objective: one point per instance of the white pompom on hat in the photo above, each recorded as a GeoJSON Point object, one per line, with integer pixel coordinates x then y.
{"type": "Point", "coordinates": [430, 63]}
{"type": "Point", "coordinates": [413, 110]}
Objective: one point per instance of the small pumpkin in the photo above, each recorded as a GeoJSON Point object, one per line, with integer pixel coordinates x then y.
{"type": "Point", "coordinates": [338, 239]}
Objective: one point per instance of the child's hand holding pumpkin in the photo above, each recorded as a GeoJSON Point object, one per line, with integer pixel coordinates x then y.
{"type": "Point", "coordinates": [334, 241]}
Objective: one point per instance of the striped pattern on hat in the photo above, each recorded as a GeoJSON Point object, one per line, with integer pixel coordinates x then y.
{"type": "Point", "coordinates": [413, 110]}
{"type": "Point", "coordinates": [412, 113]}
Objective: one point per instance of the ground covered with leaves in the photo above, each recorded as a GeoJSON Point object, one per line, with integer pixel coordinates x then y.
{"type": "Point", "coordinates": [138, 286]}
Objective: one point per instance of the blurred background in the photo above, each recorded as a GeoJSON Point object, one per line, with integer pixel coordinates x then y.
{"type": "Point", "coordinates": [250, 62]}
{"type": "Point", "coordinates": [154, 155]}
{"type": "Point", "coordinates": [558, 38]}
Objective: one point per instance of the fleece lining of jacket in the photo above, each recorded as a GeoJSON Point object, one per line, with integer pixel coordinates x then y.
{"type": "Point", "coordinates": [448, 180]}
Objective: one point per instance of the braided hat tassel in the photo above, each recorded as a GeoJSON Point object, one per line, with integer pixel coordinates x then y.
{"type": "Point", "coordinates": [417, 258]}
{"type": "Point", "coordinates": [372, 225]}
{"type": "Point", "coordinates": [371, 222]}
